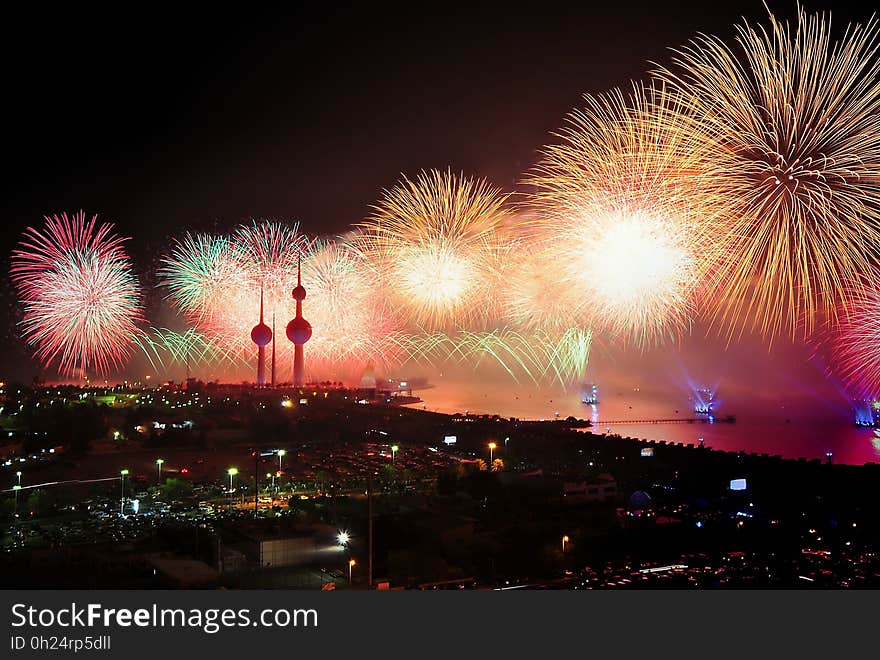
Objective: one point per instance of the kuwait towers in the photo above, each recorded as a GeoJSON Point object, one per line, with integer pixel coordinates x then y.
{"type": "Point", "coordinates": [261, 335]}
{"type": "Point", "coordinates": [298, 331]}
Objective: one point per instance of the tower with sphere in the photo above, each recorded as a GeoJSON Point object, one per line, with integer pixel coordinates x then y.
{"type": "Point", "coordinates": [261, 335]}
{"type": "Point", "coordinates": [299, 331]}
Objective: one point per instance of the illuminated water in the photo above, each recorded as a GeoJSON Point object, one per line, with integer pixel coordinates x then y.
{"type": "Point", "coordinates": [802, 427]}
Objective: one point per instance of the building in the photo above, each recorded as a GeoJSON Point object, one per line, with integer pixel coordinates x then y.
{"type": "Point", "coordinates": [601, 489]}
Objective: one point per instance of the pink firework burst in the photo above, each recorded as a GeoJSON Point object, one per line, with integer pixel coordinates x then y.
{"type": "Point", "coordinates": [855, 345]}
{"type": "Point", "coordinates": [81, 300]}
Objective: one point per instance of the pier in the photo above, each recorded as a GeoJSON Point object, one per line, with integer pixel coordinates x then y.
{"type": "Point", "coordinates": [729, 419]}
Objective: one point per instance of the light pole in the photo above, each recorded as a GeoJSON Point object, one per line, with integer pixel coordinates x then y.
{"type": "Point", "coordinates": [342, 538]}
{"type": "Point", "coordinates": [564, 541]}
{"type": "Point", "coordinates": [394, 449]}
{"type": "Point", "coordinates": [231, 472]}
{"type": "Point", "coordinates": [159, 462]}
{"type": "Point", "coordinates": [492, 447]}
{"type": "Point", "coordinates": [18, 474]}
{"type": "Point", "coordinates": [281, 454]}
{"type": "Point", "coordinates": [16, 488]}
{"type": "Point", "coordinates": [351, 563]}
{"type": "Point", "coordinates": [122, 475]}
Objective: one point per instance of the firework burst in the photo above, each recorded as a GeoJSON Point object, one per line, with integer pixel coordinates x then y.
{"type": "Point", "coordinates": [352, 325]}
{"type": "Point", "coordinates": [434, 245]}
{"type": "Point", "coordinates": [790, 126]}
{"type": "Point", "coordinates": [855, 344]}
{"type": "Point", "coordinates": [266, 255]}
{"type": "Point", "coordinates": [615, 217]}
{"type": "Point", "coordinates": [81, 301]}
{"type": "Point", "coordinates": [216, 282]}
{"type": "Point", "coordinates": [199, 272]}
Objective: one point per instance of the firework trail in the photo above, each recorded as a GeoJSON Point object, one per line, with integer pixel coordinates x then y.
{"type": "Point", "coordinates": [81, 301]}
{"type": "Point", "coordinates": [790, 125]}
{"type": "Point", "coordinates": [535, 356]}
{"type": "Point", "coordinates": [615, 219]}
{"type": "Point", "coordinates": [165, 349]}
{"type": "Point", "coordinates": [434, 244]}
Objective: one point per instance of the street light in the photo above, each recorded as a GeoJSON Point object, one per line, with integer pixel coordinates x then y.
{"type": "Point", "coordinates": [159, 462]}
{"type": "Point", "coordinates": [122, 475]}
{"type": "Point", "coordinates": [231, 472]}
{"type": "Point", "coordinates": [351, 563]}
{"type": "Point", "coordinates": [18, 474]}
{"type": "Point", "coordinates": [492, 447]}
{"type": "Point", "coordinates": [281, 454]}
{"type": "Point", "coordinates": [16, 488]}
{"type": "Point", "coordinates": [394, 449]}
{"type": "Point", "coordinates": [342, 538]}
{"type": "Point", "coordinates": [564, 541]}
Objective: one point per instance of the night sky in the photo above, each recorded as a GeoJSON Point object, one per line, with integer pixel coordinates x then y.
{"type": "Point", "coordinates": [173, 119]}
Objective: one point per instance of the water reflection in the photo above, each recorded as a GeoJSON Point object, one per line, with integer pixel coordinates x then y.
{"type": "Point", "coordinates": [794, 428]}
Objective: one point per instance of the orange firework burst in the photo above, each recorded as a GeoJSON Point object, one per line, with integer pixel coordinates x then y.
{"type": "Point", "coordinates": [536, 297]}
{"type": "Point", "coordinates": [434, 244]}
{"type": "Point", "coordinates": [790, 125]}
{"type": "Point", "coordinates": [615, 202]}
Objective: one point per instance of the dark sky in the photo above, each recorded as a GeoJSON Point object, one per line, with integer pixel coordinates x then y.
{"type": "Point", "coordinates": [166, 119]}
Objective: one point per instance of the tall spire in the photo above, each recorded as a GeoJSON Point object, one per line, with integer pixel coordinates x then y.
{"type": "Point", "coordinates": [261, 335]}
{"type": "Point", "coordinates": [273, 349]}
{"type": "Point", "coordinates": [298, 330]}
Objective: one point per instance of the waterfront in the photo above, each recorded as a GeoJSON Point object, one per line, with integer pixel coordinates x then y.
{"type": "Point", "coordinates": [800, 428]}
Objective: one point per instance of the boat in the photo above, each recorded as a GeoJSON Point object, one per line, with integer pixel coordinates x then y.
{"type": "Point", "coordinates": [590, 394]}
{"type": "Point", "coordinates": [705, 401]}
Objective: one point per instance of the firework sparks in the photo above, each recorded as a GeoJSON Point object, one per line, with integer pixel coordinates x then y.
{"type": "Point", "coordinates": [536, 356]}
{"type": "Point", "coordinates": [855, 345]}
{"type": "Point", "coordinates": [166, 348]}
{"type": "Point", "coordinates": [352, 325]}
{"type": "Point", "coordinates": [81, 300]}
{"type": "Point", "coordinates": [199, 271]}
{"type": "Point", "coordinates": [791, 135]}
{"type": "Point", "coordinates": [433, 243]}
{"type": "Point", "coordinates": [614, 204]}
{"type": "Point", "coordinates": [215, 281]}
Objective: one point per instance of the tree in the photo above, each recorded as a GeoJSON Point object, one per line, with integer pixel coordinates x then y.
{"type": "Point", "coordinates": [175, 489]}
{"type": "Point", "coordinates": [40, 502]}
